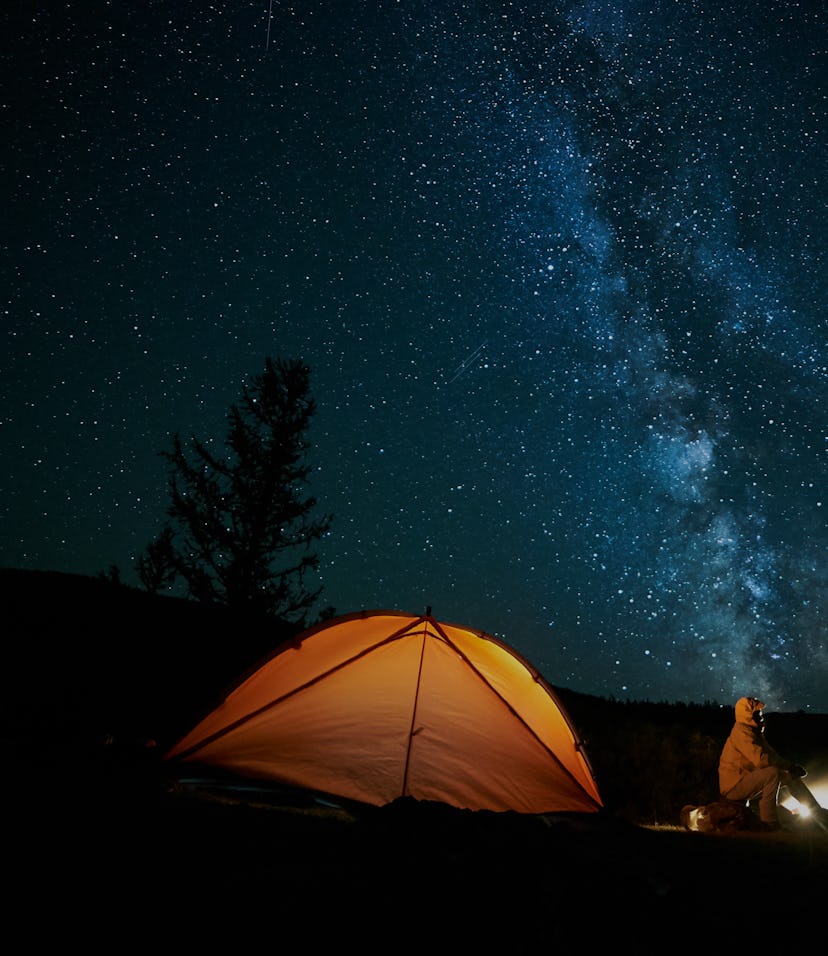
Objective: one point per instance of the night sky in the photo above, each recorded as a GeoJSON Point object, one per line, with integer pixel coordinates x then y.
{"type": "Point", "coordinates": [558, 271]}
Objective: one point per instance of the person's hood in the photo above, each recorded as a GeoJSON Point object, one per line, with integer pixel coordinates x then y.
{"type": "Point", "coordinates": [745, 708]}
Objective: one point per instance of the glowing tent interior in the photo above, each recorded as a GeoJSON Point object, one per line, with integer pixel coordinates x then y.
{"type": "Point", "coordinates": [378, 705]}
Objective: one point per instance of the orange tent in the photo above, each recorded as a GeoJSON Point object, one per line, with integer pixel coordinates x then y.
{"type": "Point", "coordinates": [378, 705]}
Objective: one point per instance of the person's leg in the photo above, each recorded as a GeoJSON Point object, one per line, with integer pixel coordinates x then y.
{"type": "Point", "coordinates": [762, 783]}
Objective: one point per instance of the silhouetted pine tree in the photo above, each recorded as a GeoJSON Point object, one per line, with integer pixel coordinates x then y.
{"type": "Point", "coordinates": [240, 530]}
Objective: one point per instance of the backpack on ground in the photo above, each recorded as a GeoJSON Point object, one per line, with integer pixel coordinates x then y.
{"type": "Point", "coordinates": [723, 816]}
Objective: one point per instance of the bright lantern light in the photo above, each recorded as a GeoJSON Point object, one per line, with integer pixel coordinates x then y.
{"type": "Point", "coordinates": [792, 804]}
{"type": "Point", "coordinates": [820, 792]}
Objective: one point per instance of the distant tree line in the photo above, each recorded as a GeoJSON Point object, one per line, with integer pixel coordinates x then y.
{"type": "Point", "coordinates": [651, 759]}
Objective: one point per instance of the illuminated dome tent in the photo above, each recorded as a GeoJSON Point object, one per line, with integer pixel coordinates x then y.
{"type": "Point", "coordinates": [379, 705]}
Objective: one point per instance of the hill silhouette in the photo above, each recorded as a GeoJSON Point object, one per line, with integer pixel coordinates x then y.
{"type": "Point", "coordinates": [111, 661]}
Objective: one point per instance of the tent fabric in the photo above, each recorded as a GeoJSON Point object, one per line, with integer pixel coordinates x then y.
{"type": "Point", "coordinates": [379, 705]}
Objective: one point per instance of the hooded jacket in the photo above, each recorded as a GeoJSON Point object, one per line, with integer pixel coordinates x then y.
{"type": "Point", "coordinates": [746, 748]}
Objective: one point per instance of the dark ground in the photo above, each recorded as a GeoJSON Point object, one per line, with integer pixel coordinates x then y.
{"type": "Point", "coordinates": [129, 860]}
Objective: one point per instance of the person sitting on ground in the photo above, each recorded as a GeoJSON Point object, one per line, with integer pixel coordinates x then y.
{"type": "Point", "coordinates": [749, 768]}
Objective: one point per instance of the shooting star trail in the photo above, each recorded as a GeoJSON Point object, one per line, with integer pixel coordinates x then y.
{"type": "Point", "coordinates": [269, 19]}
{"type": "Point", "coordinates": [464, 365]}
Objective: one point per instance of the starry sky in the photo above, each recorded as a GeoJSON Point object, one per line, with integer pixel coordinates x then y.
{"type": "Point", "coordinates": [558, 272]}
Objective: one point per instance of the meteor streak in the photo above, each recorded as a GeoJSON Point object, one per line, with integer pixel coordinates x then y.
{"type": "Point", "coordinates": [464, 365]}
